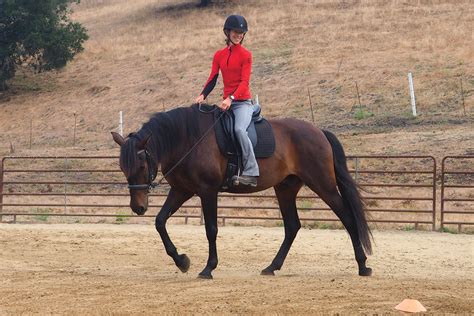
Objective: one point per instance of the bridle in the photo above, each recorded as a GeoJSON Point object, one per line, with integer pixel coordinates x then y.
{"type": "Point", "coordinates": [152, 172]}
{"type": "Point", "coordinates": [149, 160]}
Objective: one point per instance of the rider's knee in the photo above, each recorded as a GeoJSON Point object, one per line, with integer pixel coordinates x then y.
{"type": "Point", "coordinates": [240, 131]}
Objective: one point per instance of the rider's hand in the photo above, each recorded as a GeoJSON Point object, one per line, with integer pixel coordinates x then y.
{"type": "Point", "coordinates": [225, 105]}
{"type": "Point", "coordinates": [200, 99]}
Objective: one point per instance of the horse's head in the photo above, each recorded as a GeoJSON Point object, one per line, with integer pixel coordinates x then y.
{"type": "Point", "coordinates": [138, 167]}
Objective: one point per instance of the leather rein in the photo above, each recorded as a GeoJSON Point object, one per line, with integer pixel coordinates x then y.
{"type": "Point", "coordinates": [150, 161]}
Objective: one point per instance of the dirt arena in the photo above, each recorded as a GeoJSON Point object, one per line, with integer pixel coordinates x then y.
{"type": "Point", "coordinates": [123, 269]}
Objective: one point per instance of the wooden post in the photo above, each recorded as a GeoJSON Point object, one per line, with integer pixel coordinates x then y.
{"type": "Point", "coordinates": [121, 123]}
{"type": "Point", "coordinates": [358, 96]}
{"type": "Point", "coordinates": [65, 184]}
{"type": "Point", "coordinates": [462, 98]}
{"type": "Point", "coordinates": [31, 131]}
{"type": "Point", "coordinates": [412, 94]}
{"type": "Point", "coordinates": [311, 105]}
{"type": "Point", "coordinates": [202, 216]}
{"type": "Point", "coordinates": [74, 136]}
{"type": "Point", "coordinates": [356, 169]}
{"type": "Point", "coordinates": [1, 188]}
{"type": "Point", "coordinates": [339, 66]}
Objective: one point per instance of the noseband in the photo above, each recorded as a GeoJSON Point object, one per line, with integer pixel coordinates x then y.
{"type": "Point", "coordinates": [151, 174]}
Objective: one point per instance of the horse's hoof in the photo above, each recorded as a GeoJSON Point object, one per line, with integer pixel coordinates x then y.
{"type": "Point", "coordinates": [205, 276]}
{"type": "Point", "coordinates": [267, 271]}
{"type": "Point", "coordinates": [365, 272]}
{"type": "Point", "coordinates": [184, 263]}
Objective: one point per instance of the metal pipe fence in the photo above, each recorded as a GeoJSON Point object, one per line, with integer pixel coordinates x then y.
{"type": "Point", "coordinates": [399, 190]}
{"type": "Point", "coordinates": [457, 191]}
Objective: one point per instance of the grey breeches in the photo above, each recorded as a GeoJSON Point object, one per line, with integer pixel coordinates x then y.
{"type": "Point", "coordinates": [243, 111]}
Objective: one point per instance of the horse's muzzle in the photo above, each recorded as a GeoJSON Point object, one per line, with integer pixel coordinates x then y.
{"type": "Point", "coordinates": [140, 210]}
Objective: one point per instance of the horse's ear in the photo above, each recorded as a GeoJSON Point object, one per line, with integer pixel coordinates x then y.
{"type": "Point", "coordinates": [118, 138]}
{"type": "Point", "coordinates": [143, 143]}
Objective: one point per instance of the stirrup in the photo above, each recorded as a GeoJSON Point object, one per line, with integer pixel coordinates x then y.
{"type": "Point", "coordinates": [244, 180]}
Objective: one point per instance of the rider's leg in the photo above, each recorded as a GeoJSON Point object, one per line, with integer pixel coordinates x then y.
{"type": "Point", "coordinates": [243, 115]}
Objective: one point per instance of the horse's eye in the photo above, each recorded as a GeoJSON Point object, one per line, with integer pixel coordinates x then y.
{"type": "Point", "coordinates": [141, 155]}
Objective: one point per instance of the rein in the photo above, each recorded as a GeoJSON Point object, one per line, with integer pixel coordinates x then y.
{"type": "Point", "coordinates": [151, 177]}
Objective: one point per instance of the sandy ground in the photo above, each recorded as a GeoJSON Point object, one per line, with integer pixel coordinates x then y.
{"type": "Point", "coordinates": [123, 269]}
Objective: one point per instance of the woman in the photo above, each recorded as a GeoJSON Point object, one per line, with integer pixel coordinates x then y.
{"type": "Point", "coordinates": [235, 64]}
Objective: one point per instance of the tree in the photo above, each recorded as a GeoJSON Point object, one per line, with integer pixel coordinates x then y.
{"type": "Point", "coordinates": [37, 34]}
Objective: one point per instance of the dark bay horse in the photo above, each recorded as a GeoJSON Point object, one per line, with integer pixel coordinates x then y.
{"type": "Point", "coordinates": [304, 155]}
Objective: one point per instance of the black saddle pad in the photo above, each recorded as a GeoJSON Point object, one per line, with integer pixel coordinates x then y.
{"type": "Point", "coordinates": [264, 148]}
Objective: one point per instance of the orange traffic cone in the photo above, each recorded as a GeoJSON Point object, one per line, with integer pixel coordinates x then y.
{"type": "Point", "coordinates": [410, 306]}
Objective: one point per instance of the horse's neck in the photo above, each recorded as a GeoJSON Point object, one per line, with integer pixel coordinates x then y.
{"type": "Point", "coordinates": [172, 154]}
{"type": "Point", "coordinates": [178, 142]}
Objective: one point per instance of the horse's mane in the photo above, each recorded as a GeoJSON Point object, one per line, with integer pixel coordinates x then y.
{"type": "Point", "coordinates": [168, 130]}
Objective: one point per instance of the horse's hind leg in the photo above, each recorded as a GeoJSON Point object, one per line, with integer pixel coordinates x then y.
{"type": "Point", "coordinates": [286, 193]}
{"type": "Point", "coordinates": [330, 195]}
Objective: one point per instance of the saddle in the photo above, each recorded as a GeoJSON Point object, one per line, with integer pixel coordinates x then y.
{"type": "Point", "coordinates": [260, 133]}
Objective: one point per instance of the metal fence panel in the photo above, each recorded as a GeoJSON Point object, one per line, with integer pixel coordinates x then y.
{"type": "Point", "coordinates": [398, 189]}
{"type": "Point", "coordinates": [457, 191]}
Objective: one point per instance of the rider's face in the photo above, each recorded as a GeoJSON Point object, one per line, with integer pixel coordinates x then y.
{"type": "Point", "coordinates": [236, 37]}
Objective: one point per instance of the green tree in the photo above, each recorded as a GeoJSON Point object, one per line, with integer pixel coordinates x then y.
{"type": "Point", "coordinates": [37, 33]}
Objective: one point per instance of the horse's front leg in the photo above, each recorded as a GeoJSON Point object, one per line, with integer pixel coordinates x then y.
{"type": "Point", "coordinates": [209, 208]}
{"type": "Point", "coordinates": [173, 202]}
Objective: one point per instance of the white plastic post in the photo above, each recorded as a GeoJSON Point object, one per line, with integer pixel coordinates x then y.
{"type": "Point", "coordinates": [412, 94]}
{"type": "Point", "coordinates": [121, 124]}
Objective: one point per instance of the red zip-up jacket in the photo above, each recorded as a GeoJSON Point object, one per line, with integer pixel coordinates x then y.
{"type": "Point", "coordinates": [235, 63]}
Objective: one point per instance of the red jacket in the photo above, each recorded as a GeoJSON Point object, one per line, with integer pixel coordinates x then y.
{"type": "Point", "coordinates": [235, 63]}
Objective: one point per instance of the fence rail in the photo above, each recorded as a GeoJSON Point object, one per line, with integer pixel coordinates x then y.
{"type": "Point", "coordinates": [398, 190]}
{"type": "Point", "coordinates": [457, 207]}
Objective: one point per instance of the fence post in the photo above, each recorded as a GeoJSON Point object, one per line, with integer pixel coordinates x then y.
{"type": "Point", "coordinates": [202, 216]}
{"type": "Point", "coordinates": [1, 188]}
{"type": "Point", "coordinates": [75, 125]}
{"type": "Point", "coordinates": [442, 193]}
{"type": "Point", "coordinates": [412, 94]}
{"type": "Point", "coordinates": [31, 131]}
{"type": "Point", "coordinates": [434, 194]}
{"type": "Point", "coordinates": [311, 105]}
{"type": "Point", "coordinates": [462, 96]}
{"type": "Point", "coordinates": [65, 185]}
{"type": "Point", "coordinates": [121, 123]}
{"type": "Point", "coordinates": [356, 169]}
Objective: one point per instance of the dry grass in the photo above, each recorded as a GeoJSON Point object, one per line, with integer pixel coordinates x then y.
{"type": "Point", "coordinates": [149, 54]}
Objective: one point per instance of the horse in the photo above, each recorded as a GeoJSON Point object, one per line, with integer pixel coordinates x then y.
{"type": "Point", "coordinates": [304, 155]}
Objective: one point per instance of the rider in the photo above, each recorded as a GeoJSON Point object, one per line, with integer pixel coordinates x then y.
{"type": "Point", "coordinates": [235, 64]}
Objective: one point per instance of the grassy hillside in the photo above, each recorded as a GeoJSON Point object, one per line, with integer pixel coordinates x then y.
{"type": "Point", "coordinates": [147, 55]}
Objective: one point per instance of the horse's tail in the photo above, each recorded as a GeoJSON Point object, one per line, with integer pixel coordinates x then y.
{"type": "Point", "coordinates": [350, 191]}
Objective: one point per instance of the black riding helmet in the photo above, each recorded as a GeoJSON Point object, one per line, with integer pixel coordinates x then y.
{"type": "Point", "coordinates": [237, 23]}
